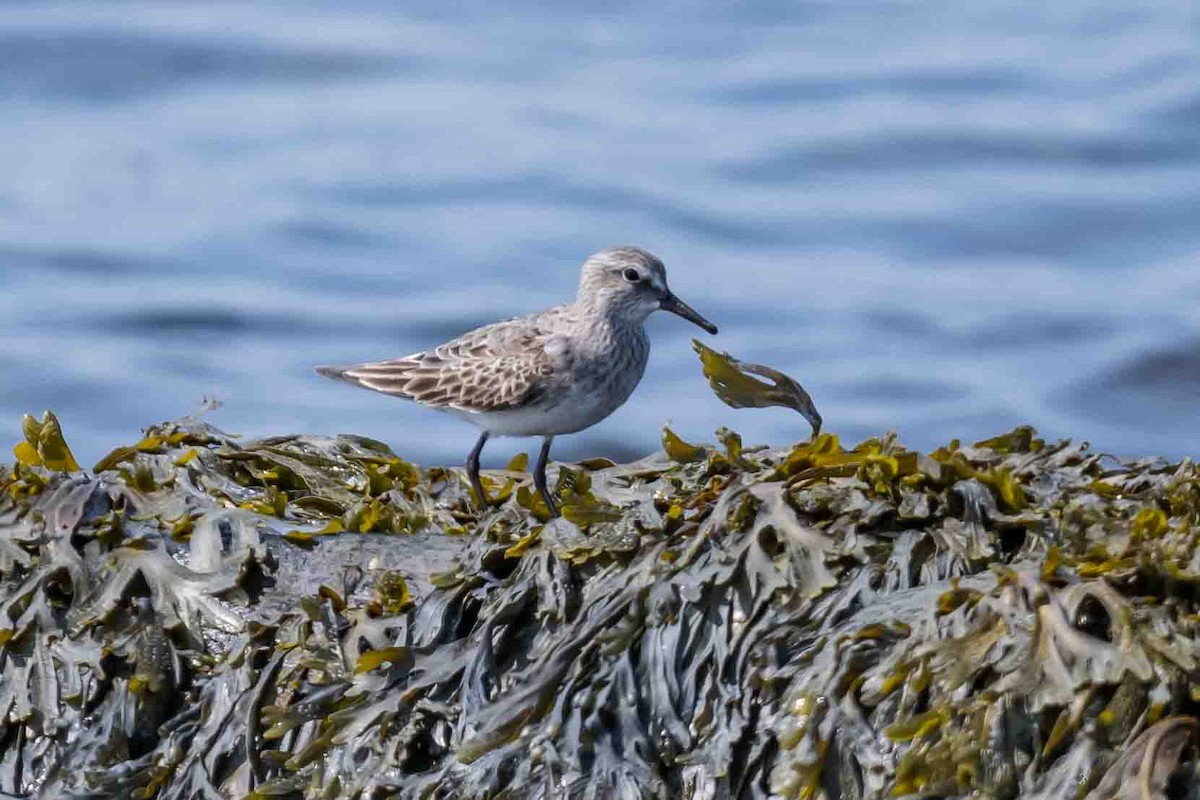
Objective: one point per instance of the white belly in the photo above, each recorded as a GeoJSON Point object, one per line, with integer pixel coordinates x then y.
{"type": "Point", "coordinates": [540, 421]}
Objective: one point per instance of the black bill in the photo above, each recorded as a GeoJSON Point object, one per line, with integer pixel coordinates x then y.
{"type": "Point", "coordinates": [676, 306]}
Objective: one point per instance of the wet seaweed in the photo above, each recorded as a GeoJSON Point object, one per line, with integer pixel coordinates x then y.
{"type": "Point", "coordinates": [733, 381]}
{"type": "Point", "coordinates": [201, 617]}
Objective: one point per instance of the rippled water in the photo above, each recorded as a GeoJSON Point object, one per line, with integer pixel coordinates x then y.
{"type": "Point", "coordinates": [945, 218]}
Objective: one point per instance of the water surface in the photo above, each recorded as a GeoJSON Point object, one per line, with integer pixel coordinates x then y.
{"type": "Point", "coordinates": [943, 218]}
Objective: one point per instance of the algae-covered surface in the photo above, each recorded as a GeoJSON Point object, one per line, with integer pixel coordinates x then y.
{"type": "Point", "coordinates": [202, 617]}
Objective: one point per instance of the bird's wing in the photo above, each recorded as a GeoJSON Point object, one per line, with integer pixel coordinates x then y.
{"type": "Point", "coordinates": [497, 367]}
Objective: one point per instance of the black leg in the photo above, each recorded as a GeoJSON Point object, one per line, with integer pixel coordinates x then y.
{"type": "Point", "coordinates": [473, 470]}
{"type": "Point", "coordinates": [539, 476]}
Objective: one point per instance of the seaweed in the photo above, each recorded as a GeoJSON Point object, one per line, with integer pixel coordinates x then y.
{"type": "Point", "coordinates": [732, 381]}
{"type": "Point", "coordinates": [312, 617]}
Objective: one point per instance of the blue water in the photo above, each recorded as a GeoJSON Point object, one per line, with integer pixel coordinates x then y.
{"type": "Point", "coordinates": [945, 218]}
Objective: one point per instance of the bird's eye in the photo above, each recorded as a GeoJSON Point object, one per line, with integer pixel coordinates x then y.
{"type": "Point", "coordinates": [632, 275]}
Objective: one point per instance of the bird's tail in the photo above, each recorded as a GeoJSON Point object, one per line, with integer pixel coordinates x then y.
{"type": "Point", "coordinates": [337, 373]}
{"type": "Point", "coordinates": [389, 377]}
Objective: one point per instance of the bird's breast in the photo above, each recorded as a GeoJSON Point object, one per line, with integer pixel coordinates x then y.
{"type": "Point", "coordinates": [608, 375]}
{"type": "Point", "coordinates": [599, 373]}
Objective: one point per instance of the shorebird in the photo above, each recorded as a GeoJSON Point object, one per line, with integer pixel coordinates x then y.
{"type": "Point", "coordinates": [554, 372]}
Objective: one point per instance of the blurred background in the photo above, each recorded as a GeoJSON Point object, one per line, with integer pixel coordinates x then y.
{"type": "Point", "coordinates": [941, 217]}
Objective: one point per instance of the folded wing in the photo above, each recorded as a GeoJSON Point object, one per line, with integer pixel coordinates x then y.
{"type": "Point", "coordinates": [495, 368]}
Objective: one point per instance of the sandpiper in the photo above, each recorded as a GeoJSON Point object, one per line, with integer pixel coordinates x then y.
{"type": "Point", "coordinates": [555, 372]}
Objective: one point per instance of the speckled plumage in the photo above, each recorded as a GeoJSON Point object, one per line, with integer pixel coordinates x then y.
{"type": "Point", "coordinates": [554, 372]}
{"type": "Point", "coordinates": [549, 362]}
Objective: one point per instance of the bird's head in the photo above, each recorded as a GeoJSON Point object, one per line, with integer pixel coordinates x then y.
{"type": "Point", "coordinates": [632, 284]}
